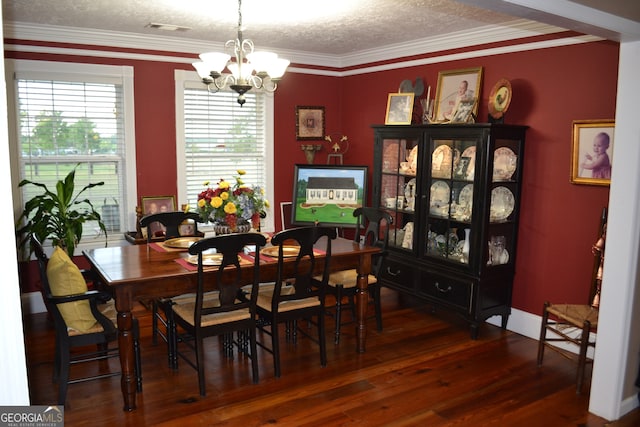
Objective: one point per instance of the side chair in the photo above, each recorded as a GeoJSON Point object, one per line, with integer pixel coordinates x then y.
{"type": "Point", "coordinates": [171, 221]}
{"type": "Point", "coordinates": [81, 318]}
{"type": "Point", "coordinates": [232, 310]}
{"type": "Point", "coordinates": [297, 293]}
{"type": "Point", "coordinates": [342, 284]}
{"type": "Point", "coordinates": [567, 326]}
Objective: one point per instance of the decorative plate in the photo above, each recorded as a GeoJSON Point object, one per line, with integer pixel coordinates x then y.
{"type": "Point", "coordinates": [181, 242]}
{"type": "Point", "coordinates": [502, 204]}
{"type": "Point", "coordinates": [410, 188]}
{"type": "Point", "coordinates": [412, 159]}
{"type": "Point", "coordinates": [207, 259]}
{"type": "Point", "coordinates": [442, 161]}
{"type": "Point", "coordinates": [440, 196]}
{"type": "Point", "coordinates": [470, 152]}
{"type": "Point", "coordinates": [504, 164]}
{"type": "Point", "coordinates": [465, 199]}
{"type": "Point", "coordinates": [500, 98]}
{"type": "Point", "coordinates": [287, 251]}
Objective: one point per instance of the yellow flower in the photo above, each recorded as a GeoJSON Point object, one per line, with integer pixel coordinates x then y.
{"type": "Point", "coordinates": [230, 208]}
{"type": "Point", "coordinates": [241, 172]}
{"type": "Point", "coordinates": [206, 183]}
{"type": "Point", "coordinates": [224, 195]}
{"type": "Point", "coordinates": [223, 184]}
{"type": "Point", "coordinates": [267, 204]}
{"type": "Point", "coordinates": [240, 182]}
{"type": "Point", "coordinates": [201, 203]}
{"type": "Point", "coordinates": [216, 202]}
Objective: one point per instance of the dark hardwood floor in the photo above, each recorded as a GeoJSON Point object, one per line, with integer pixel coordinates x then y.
{"type": "Point", "coordinates": [422, 370]}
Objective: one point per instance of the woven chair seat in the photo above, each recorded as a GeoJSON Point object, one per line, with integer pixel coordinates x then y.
{"type": "Point", "coordinates": [576, 314]}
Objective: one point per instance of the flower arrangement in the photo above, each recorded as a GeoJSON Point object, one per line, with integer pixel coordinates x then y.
{"type": "Point", "coordinates": [231, 205]}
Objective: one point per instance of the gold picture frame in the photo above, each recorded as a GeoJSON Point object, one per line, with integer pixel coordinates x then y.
{"type": "Point", "coordinates": [399, 109]}
{"type": "Point", "coordinates": [309, 123]}
{"type": "Point", "coordinates": [449, 97]}
{"type": "Point", "coordinates": [592, 151]}
{"type": "Point", "coordinates": [156, 204]}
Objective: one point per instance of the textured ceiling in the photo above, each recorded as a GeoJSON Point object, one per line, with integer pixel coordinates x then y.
{"type": "Point", "coordinates": [326, 26]}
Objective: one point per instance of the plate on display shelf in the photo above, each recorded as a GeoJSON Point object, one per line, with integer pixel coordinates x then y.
{"type": "Point", "coordinates": [412, 159]}
{"type": "Point", "coordinates": [410, 188]}
{"type": "Point", "coordinates": [465, 199]}
{"type": "Point", "coordinates": [443, 160]}
{"type": "Point", "coordinates": [439, 199]}
{"type": "Point", "coordinates": [504, 164]}
{"type": "Point", "coordinates": [502, 204]}
{"type": "Point", "coordinates": [470, 152]}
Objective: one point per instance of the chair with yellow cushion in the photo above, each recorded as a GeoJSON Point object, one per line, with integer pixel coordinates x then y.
{"type": "Point", "coordinates": [342, 284]}
{"type": "Point", "coordinates": [81, 318]}
{"type": "Point", "coordinates": [171, 222]}
{"type": "Point", "coordinates": [231, 309]}
{"type": "Point", "coordinates": [297, 294]}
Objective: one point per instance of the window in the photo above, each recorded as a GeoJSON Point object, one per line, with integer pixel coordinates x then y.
{"type": "Point", "coordinates": [77, 114]}
{"type": "Point", "coordinates": [216, 137]}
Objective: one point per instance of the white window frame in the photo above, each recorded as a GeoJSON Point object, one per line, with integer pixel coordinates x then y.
{"type": "Point", "coordinates": [181, 78]}
{"type": "Point", "coordinates": [48, 70]}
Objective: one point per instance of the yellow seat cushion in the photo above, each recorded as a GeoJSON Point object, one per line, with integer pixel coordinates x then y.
{"type": "Point", "coordinates": [346, 278]}
{"type": "Point", "coordinates": [65, 279]}
{"type": "Point", "coordinates": [186, 310]}
{"type": "Point", "coordinates": [264, 300]}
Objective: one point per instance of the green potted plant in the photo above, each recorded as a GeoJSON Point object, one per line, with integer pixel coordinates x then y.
{"type": "Point", "coordinates": [58, 216]}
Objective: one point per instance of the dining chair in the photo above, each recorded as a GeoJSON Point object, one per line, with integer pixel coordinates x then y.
{"type": "Point", "coordinates": [233, 309]}
{"type": "Point", "coordinates": [297, 292]}
{"type": "Point", "coordinates": [81, 318]}
{"type": "Point", "coordinates": [375, 224]}
{"type": "Point", "coordinates": [567, 326]}
{"type": "Point", "coordinates": [171, 222]}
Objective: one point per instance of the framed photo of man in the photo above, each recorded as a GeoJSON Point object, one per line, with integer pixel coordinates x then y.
{"type": "Point", "coordinates": [457, 89]}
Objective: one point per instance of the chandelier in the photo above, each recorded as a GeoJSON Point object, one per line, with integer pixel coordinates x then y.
{"type": "Point", "coordinates": [247, 70]}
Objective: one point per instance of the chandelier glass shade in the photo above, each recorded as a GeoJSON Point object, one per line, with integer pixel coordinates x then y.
{"type": "Point", "coordinates": [246, 68]}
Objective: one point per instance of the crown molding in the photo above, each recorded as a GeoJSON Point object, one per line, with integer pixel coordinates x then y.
{"type": "Point", "coordinates": [513, 30]}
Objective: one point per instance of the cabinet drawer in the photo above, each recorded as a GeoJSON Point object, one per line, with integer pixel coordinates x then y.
{"type": "Point", "coordinates": [454, 293]}
{"type": "Point", "coordinates": [397, 275]}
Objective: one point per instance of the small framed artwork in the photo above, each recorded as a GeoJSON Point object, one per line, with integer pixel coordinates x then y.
{"type": "Point", "coordinates": [592, 151]}
{"type": "Point", "coordinates": [399, 109]}
{"type": "Point", "coordinates": [457, 94]}
{"type": "Point", "coordinates": [157, 204]}
{"type": "Point", "coordinates": [309, 123]}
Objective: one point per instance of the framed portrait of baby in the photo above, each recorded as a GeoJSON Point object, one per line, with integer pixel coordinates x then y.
{"type": "Point", "coordinates": [592, 151]}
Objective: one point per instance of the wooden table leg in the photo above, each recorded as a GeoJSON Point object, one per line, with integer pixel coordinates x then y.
{"type": "Point", "coordinates": [362, 301]}
{"type": "Point", "coordinates": [125, 347]}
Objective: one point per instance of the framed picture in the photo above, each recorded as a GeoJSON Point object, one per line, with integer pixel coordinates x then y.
{"type": "Point", "coordinates": [309, 123]}
{"type": "Point", "coordinates": [592, 151]}
{"type": "Point", "coordinates": [458, 90]}
{"type": "Point", "coordinates": [399, 109]}
{"type": "Point", "coordinates": [327, 195]}
{"type": "Point", "coordinates": [156, 204]}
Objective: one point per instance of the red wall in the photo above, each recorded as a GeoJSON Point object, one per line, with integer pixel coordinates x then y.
{"type": "Point", "coordinates": [552, 87]}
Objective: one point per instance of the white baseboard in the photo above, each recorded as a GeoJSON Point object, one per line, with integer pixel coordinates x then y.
{"type": "Point", "coordinates": [32, 303]}
{"type": "Point", "coordinates": [528, 324]}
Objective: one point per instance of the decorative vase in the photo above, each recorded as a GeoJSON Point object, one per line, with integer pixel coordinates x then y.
{"type": "Point", "coordinates": [222, 227]}
{"type": "Point", "coordinates": [465, 247]}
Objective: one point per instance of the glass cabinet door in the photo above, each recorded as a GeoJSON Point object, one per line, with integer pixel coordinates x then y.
{"type": "Point", "coordinates": [504, 197]}
{"type": "Point", "coordinates": [450, 185]}
{"type": "Point", "coordinates": [398, 188]}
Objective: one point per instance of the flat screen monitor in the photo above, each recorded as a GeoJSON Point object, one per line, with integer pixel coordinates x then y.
{"type": "Point", "coordinates": [327, 195]}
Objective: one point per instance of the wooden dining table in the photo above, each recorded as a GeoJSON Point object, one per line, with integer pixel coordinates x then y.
{"type": "Point", "coordinates": [142, 272]}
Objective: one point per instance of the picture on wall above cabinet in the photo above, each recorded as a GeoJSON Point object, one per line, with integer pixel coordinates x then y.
{"type": "Point", "coordinates": [457, 94]}
{"type": "Point", "coordinates": [309, 123]}
{"type": "Point", "coordinates": [592, 151]}
{"type": "Point", "coordinates": [399, 109]}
